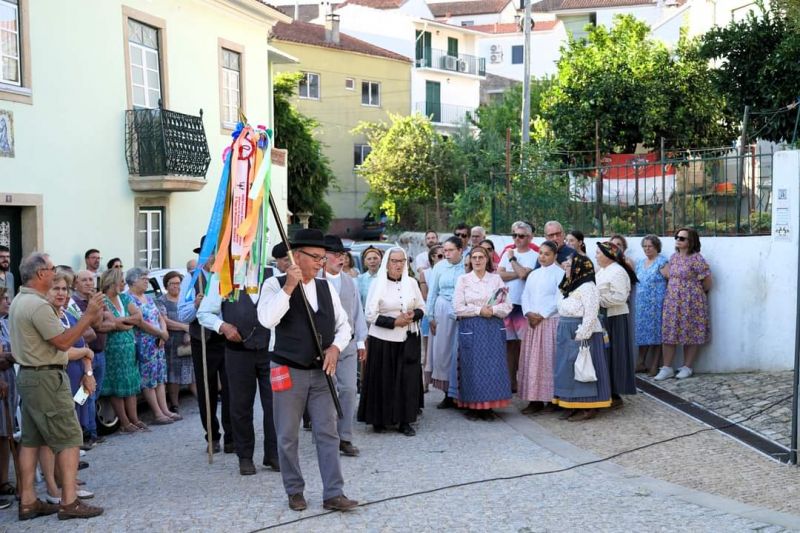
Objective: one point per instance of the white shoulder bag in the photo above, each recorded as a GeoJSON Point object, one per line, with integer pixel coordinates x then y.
{"type": "Point", "coordinates": [584, 369]}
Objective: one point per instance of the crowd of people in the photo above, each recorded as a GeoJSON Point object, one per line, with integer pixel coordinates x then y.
{"type": "Point", "coordinates": [540, 321]}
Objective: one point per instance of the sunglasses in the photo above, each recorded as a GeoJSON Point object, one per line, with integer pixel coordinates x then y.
{"type": "Point", "coordinates": [519, 236]}
{"type": "Point", "coordinates": [462, 235]}
{"type": "Point", "coordinates": [681, 238]}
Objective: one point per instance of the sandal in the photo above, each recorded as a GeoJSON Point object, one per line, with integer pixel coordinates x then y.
{"type": "Point", "coordinates": [162, 421]}
{"type": "Point", "coordinates": [141, 425]}
{"type": "Point", "coordinates": [586, 414]}
{"type": "Point", "coordinates": [175, 416]}
{"type": "Point", "coordinates": [130, 428]}
{"type": "Point", "coordinates": [7, 489]}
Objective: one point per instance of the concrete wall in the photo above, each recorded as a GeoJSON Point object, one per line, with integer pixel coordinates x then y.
{"type": "Point", "coordinates": [545, 47]}
{"type": "Point", "coordinates": [70, 143]}
{"type": "Point", "coordinates": [754, 296]}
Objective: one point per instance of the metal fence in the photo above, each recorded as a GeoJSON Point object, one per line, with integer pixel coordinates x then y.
{"type": "Point", "coordinates": [717, 192]}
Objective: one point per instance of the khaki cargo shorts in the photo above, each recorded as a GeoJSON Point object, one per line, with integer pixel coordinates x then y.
{"type": "Point", "coordinates": [48, 411]}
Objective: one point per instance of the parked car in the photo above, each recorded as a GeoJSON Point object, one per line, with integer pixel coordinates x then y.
{"type": "Point", "coordinates": [107, 421]}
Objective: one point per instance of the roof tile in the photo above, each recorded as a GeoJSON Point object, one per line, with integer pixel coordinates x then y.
{"type": "Point", "coordinates": [511, 27]}
{"type": "Point", "coordinates": [468, 7]}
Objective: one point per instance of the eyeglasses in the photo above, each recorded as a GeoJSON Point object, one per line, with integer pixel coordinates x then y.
{"type": "Point", "coordinates": [397, 261]}
{"type": "Point", "coordinates": [51, 269]}
{"type": "Point", "coordinates": [681, 238]}
{"type": "Point", "coordinates": [462, 235]}
{"type": "Point", "coordinates": [479, 256]}
{"type": "Point", "coordinates": [315, 257]}
{"type": "Point", "coordinates": [520, 235]}
{"type": "Point", "coordinates": [439, 256]}
{"type": "Point", "coordinates": [337, 254]}
{"type": "Point", "coordinates": [555, 234]}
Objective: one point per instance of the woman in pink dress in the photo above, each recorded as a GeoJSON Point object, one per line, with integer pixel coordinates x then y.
{"type": "Point", "coordinates": [685, 316]}
{"type": "Point", "coordinates": [539, 305]}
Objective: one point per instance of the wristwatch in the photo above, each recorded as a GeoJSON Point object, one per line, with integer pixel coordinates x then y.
{"type": "Point", "coordinates": [90, 373]}
{"type": "Point", "coordinates": [512, 259]}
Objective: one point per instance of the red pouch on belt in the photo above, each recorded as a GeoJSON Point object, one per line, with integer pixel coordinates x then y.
{"type": "Point", "coordinates": [280, 378]}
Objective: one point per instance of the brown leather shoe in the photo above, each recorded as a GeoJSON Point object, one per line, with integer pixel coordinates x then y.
{"type": "Point", "coordinates": [37, 508]}
{"type": "Point", "coordinates": [297, 502]}
{"type": "Point", "coordinates": [78, 509]}
{"type": "Point", "coordinates": [339, 503]}
{"type": "Point", "coordinates": [347, 448]}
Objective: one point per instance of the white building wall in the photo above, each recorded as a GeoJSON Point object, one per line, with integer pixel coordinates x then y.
{"type": "Point", "coordinates": [545, 48]}
{"type": "Point", "coordinates": [70, 143]}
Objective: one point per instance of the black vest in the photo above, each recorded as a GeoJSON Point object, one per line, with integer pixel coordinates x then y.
{"type": "Point", "coordinates": [243, 314]}
{"type": "Point", "coordinates": [294, 343]}
{"type": "Point", "coordinates": [194, 325]}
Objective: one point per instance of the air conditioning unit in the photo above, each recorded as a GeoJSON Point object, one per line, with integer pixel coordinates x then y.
{"type": "Point", "coordinates": [495, 58]}
{"type": "Point", "coordinates": [449, 63]}
{"type": "Point", "coordinates": [495, 48]}
{"type": "Point", "coordinates": [462, 66]}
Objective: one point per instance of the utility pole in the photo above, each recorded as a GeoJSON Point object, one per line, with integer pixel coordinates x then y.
{"type": "Point", "coordinates": [526, 77]}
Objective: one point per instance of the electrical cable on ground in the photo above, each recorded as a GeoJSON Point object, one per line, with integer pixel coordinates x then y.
{"type": "Point", "coordinates": [532, 474]}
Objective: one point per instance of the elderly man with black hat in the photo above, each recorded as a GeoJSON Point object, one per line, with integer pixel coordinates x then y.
{"type": "Point", "coordinates": [347, 367]}
{"type": "Point", "coordinates": [215, 357]}
{"type": "Point", "coordinates": [246, 365]}
{"type": "Point", "coordinates": [297, 371]}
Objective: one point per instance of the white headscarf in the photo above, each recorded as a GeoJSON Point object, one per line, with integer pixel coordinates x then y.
{"type": "Point", "coordinates": [409, 288]}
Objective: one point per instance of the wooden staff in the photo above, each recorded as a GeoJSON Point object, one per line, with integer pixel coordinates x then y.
{"type": "Point", "coordinates": [205, 376]}
{"type": "Point", "coordinates": [309, 312]}
{"type": "Point", "coordinates": [12, 444]}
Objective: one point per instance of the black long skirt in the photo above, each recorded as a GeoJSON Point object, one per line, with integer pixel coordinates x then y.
{"type": "Point", "coordinates": [391, 386]}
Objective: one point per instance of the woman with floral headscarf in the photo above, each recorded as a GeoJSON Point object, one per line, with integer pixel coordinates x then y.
{"type": "Point", "coordinates": [614, 282]}
{"type": "Point", "coordinates": [391, 388]}
{"type": "Point", "coordinates": [578, 306]}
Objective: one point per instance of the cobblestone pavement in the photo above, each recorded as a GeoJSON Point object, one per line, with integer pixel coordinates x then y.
{"type": "Point", "coordinates": [161, 481]}
{"type": "Point", "coordinates": [738, 396]}
{"type": "Point", "coordinates": [710, 461]}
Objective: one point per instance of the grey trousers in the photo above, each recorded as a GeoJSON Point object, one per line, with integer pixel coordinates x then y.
{"type": "Point", "coordinates": [346, 375]}
{"type": "Point", "coordinates": [309, 389]}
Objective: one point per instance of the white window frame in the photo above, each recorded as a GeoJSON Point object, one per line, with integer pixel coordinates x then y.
{"type": "Point", "coordinates": [364, 150]}
{"type": "Point", "coordinates": [4, 54]}
{"type": "Point", "coordinates": [308, 96]}
{"type": "Point", "coordinates": [370, 102]}
{"type": "Point", "coordinates": [350, 84]}
{"type": "Point", "coordinates": [153, 224]}
{"type": "Point", "coordinates": [146, 67]}
{"type": "Point", "coordinates": [231, 90]}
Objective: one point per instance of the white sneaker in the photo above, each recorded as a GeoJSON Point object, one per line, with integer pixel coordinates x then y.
{"type": "Point", "coordinates": [665, 372]}
{"type": "Point", "coordinates": [684, 372]}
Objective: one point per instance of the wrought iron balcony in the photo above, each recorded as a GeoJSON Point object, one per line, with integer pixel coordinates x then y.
{"type": "Point", "coordinates": [445, 114]}
{"type": "Point", "coordinates": [166, 151]}
{"type": "Point", "coordinates": [462, 63]}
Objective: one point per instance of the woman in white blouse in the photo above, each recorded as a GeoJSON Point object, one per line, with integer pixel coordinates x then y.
{"type": "Point", "coordinates": [614, 281]}
{"type": "Point", "coordinates": [539, 305]}
{"type": "Point", "coordinates": [391, 389]}
{"type": "Point", "coordinates": [578, 306]}
{"type": "Point", "coordinates": [480, 302]}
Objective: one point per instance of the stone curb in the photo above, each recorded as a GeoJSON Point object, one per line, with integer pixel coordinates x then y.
{"type": "Point", "coordinates": [542, 437]}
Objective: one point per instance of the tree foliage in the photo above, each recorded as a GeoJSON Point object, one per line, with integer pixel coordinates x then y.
{"type": "Point", "coordinates": [309, 170]}
{"type": "Point", "coordinates": [757, 64]}
{"type": "Point", "coordinates": [636, 89]}
{"type": "Point", "coordinates": [408, 164]}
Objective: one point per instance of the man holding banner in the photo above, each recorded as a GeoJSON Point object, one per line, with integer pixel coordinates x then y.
{"type": "Point", "coordinates": [297, 377]}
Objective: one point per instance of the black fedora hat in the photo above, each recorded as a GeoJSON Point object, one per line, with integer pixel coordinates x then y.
{"type": "Point", "coordinates": [279, 251]}
{"type": "Point", "coordinates": [202, 240]}
{"type": "Point", "coordinates": [309, 237]}
{"type": "Point", "coordinates": [335, 244]}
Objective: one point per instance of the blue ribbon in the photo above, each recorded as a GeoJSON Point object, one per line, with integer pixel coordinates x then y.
{"type": "Point", "coordinates": [214, 226]}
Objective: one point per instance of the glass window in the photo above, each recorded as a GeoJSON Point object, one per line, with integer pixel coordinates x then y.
{"type": "Point", "coordinates": [145, 66]}
{"type": "Point", "coordinates": [517, 54]}
{"type": "Point", "coordinates": [371, 93]}
{"type": "Point", "coordinates": [150, 237]}
{"type": "Point", "coordinates": [309, 86]}
{"type": "Point", "coordinates": [10, 69]}
{"type": "Point", "coordinates": [360, 153]}
{"type": "Point", "coordinates": [231, 87]}
{"type": "Point", "coordinates": [350, 84]}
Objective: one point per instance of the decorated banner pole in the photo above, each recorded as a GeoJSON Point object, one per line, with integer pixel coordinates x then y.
{"type": "Point", "coordinates": [309, 314]}
{"type": "Point", "coordinates": [205, 382]}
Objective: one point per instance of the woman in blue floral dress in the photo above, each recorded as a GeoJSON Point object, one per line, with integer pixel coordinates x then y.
{"type": "Point", "coordinates": [650, 292]}
{"type": "Point", "coordinates": [151, 335]}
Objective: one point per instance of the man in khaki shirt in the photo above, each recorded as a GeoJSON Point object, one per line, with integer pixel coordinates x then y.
{"type": "Point", "coordinates": [40, 342]}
